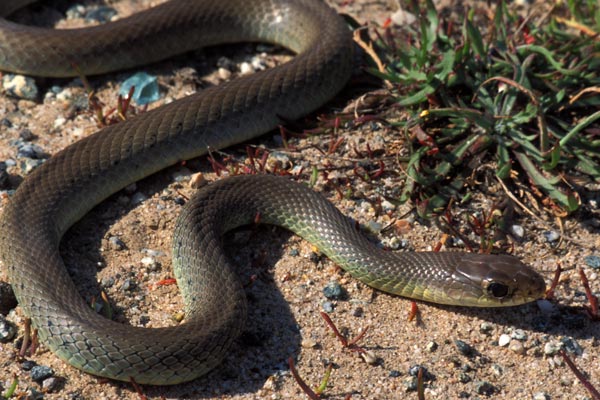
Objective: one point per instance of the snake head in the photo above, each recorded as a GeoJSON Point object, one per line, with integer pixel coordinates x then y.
{"type": "Point", "coordinates": [498, 280]}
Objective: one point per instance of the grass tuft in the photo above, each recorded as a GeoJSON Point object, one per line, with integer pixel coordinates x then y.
{"type": "Point", "coordinates": [518, 97]}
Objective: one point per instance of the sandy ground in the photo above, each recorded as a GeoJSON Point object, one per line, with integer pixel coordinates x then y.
{"type": "Point", "coordinates": [287, 295]}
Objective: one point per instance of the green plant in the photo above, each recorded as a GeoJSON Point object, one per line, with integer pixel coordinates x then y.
{"type": "Point", "coordinates": [525, 97]}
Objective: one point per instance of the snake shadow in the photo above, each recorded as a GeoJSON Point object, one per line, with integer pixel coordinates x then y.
{"type": "Point", "coordinates": [271, 334]}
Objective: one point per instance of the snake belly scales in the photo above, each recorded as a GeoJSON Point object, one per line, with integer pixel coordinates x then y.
{"type": "Point", "coordinates": [72, 182]}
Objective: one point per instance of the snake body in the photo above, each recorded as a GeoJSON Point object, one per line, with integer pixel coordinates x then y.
{"type": "Point", "coordinates": [68, 185]}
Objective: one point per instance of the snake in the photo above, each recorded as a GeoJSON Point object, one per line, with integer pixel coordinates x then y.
{"type": "Point", "coordinates": [69, 184]}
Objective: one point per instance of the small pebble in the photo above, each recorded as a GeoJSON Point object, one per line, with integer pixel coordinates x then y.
{"type": "Point", "coordinates": [393, 243]}
{"type": "Point", "coordinates": [138, 198]}
{"type": "Point", "coordinates": [246, 68]}
{"type": "Point", "coordinates": [503, 340]}
{"type": "Point", "coordinates": [464, 348]}
{"type": "Point", "coordinates": [369, 357]}
{"type": "Point", "coordinates": [59, 122]}
{"type": "Point", "coordinates": [32, 394]}
{"type": "Point", "coordinates": [150, 263]}
{"type": "Point", "coordinates": [464, 378]}
{"type": "Point", "coordinates": [592, 261]}
{"type": "Point", "coordinates": [28, 164]}
{"type": "Point", "coordinates": [334, 291]}
{"type": "Point", "coordinates": [497, 370]}
{"type": "Point", "coordinates": [483, 387]}
{"type": "Point", "coordinates": [20, 86]}
{"type": "Point", "coordinates": [309, 343]}
{"type": "Point", "coordinates": [29, 150]}
{"type": "Point", "coordinates": [101, 14]}
{"type": "Point", "coordinates": [278, 161]}
{"type": "Point", "coordinates": [519, 334]}
{"type": "Point", "coordinates": [386, 206]}
{"type": "Point", "coordinates": [116, 243]}
{"type": "Point", "coordinates": [27, 365]}
{"type": "Point", "coordinates": [328, 306]}
{"type": "Point", "coordinates": [75, 11]}
{"type": "Point", "coordinates": [394, 373]}
{"type": "Point", "coordinates": [7, 330]}
{"type": "Point", "coordinates": [26, 135]}
{"type": "Point", "coordinates": [517, 347]}
{"type": "Point", "coordinates": [50, 384]}
{"type": "Point", "coordinates": [294, 253]}
{"type": "Point", "coordinates": [197, 180]}
{"type": "Point", "coordinates": [546, 307]}
{"type": "Point", "coordinates": [128, 285]}
{"type": "Point", "coordinates": [374, 227]}
{"type": "Point", "coordinates": [224, 73]}
{"type": "Point", "coordinates": [107, 281]}
{"type": "Point", "coordinates": [146, 88]}
{"type": "Point", "coordinates": [357, 312]}
{"type": "Point", "coordinates": [517, 231]}
{"type": "Point", "coordinates": [413, 370]}
{"type": "Point", "coordinates": [551, 236]}
{"type": "Point", "coordinates": [571, 346]}
{"type": "Point", "coordinates": [41, 372]}
{"type": "Point", "coordinates": [541, 396]}
{"type": "Point", "coordinates": [486, 328]}
{"type": "Point", "coordinates": [153, 253]}
{"type": "Point", "coordinates": [432, 346]}
{"type": "Point", "coordinates": [410, 384]}
{"type": "Point", "coordinates": [551, 349]}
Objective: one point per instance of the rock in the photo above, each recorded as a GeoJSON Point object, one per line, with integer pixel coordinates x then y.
{"type": "Point", "coordinates": [592, 261]}
{"type": "Point", "coordinates": [334, 291]}
{"type": "Point", "coordinates": [485, 388]}
{"type": "Point", "coordinates": [517, 347]}
{"type": "Point", "coordinates": [101, 14]}
{"type": "Point", "coordinates": [503, 340]}
{"type": "Point", "coordinates": [357, 312]}
{"type": "Point", "coordinates": [116, 243]}
{"type": "Point", "coordinates": [20, 86]}
{"type": "Point", "coordinates": [432, 346]}
{"type": "Point", "coordinates": [41, 372]}
{"type": "Point", "coordinates": [27, 365]}
{"type": "Point", "coordinates": [328, 306]}
{"type": "Point", "coordinates": [138, 198]}
{"type": "Point", "coordinates": [151, 264]}
{"type": "Point", "coordinates": [551, 236]}
{"type": "Point", "coordinates": [146, 88]}
{"type": "Point", "coordinates": [26, 135]}
{"type": "Point", "coordinates": [571, 346]}
{"type": "Point", "coordinates": [127, 285]}
{"type": "Point", "coordinates": [519, 334]}
{"type": "Point", "coordinates": [413, 370]}
{"type": "Point", "coordinates": [464, 348]}
{"type": "Point", "coordinates": [50, 384]}
{"type": "Point", "coordinates": [29, 150]}
{"type": "Point", "coordinates": [551, 349]}
{"type": "Point", "coordinates": [369, 357]}
{"type": "Point", "coordinates": [517, 231]}
{"type": "Point", "coordinates": [7, 330]}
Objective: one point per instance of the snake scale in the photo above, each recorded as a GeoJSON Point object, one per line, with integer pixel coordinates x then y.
{"type": "Point", "coordinates": [68, 185]}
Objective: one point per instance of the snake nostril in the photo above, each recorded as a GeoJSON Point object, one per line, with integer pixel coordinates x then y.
{"type": "Point", "coordinates": [498, 290]}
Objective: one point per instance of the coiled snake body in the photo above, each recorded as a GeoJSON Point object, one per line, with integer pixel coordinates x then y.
{"type": "Point", "coordinates": [68, 185]}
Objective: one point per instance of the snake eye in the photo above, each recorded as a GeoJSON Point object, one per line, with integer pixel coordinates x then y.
{"type": "Point", "coordinates": [498, 290]}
